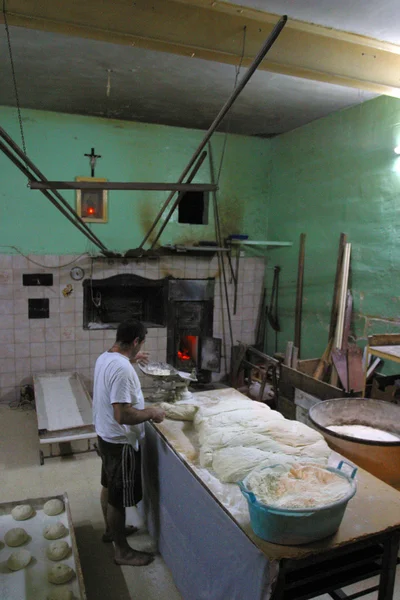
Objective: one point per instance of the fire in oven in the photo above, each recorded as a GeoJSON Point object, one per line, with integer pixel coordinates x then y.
{"type": "Point", "coordinates": [187, 354]}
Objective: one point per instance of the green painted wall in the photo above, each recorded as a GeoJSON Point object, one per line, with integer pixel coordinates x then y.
{"type": "Point", "coordinates": [56, 143]}
{"type": "Point", "coordinates": [339, 174]}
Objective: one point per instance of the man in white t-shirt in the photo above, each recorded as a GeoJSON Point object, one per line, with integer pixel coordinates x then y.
{"type": "Point", "coordinates": [118, 416]}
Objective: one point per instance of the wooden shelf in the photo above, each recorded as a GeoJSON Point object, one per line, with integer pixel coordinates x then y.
{"type": "Point", "coordinates": [258, 243]}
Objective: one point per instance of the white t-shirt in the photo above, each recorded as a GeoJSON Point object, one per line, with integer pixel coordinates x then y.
{"type": "Point", "coordinates": [115, 380]}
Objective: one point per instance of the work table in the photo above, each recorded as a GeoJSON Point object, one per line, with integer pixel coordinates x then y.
{"type": "Point", "coordinates": [372, 516]}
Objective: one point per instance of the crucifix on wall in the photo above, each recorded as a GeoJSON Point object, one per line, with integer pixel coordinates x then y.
{"type": "Point", "coordinates": [91, 205]}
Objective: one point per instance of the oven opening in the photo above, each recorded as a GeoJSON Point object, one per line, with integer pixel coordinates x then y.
{"type": "Point", "coordinates": [187, 353]}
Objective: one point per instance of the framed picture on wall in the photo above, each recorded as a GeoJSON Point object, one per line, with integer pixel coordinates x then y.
{"type": "Point", "coordinates": [91, 205]}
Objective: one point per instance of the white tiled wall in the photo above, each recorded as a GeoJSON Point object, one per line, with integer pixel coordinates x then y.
{"type": "Point", "coordinates": [60, 342]}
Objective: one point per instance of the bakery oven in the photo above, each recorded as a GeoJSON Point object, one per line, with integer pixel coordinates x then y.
{"type": "Point", "coordinates": [190, 344]}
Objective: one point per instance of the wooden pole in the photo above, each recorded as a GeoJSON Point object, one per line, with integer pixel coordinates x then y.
{"type": "Point", "coordinates": [299, 294]}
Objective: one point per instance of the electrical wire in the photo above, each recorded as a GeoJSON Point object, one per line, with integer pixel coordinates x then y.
{"type": "Point", "coordinates": [46, 266]}
{"type": "Point", "coordinates": [14, 76]}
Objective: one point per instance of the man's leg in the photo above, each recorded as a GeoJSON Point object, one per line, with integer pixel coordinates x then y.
{"type": "Point", "coordinates": [124, 554]}
{"type": "Point", "coordinates": [107, 536]}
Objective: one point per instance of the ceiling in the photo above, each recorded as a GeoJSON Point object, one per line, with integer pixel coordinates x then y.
{"type": "Point", "coordinates": [174, 62]}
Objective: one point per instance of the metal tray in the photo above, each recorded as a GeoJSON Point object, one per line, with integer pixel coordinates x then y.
{"type": "Point", "coordinates": [31, 583]}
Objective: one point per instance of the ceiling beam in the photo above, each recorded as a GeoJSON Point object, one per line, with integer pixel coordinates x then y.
{"type": "Point", "coordinates": [122, 185]}
{"type": "Point", "coordinates": [214, 31]}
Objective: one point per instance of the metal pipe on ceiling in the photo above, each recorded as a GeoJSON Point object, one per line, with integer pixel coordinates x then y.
{"type": "Point", "coordinates": [121, 185]}
{"type": "Point", "coordinates": [254, 65]}
{"type": "Point", "coordinates": [29, 164]}
{"type": "Point", "coordinates": [18, 163]}
{"type": "Point", "coordinates": [180, 196]}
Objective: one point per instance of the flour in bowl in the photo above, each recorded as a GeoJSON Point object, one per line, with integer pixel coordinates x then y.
{"type": "Point", "coordinates": [300, 486]}
{"type": "Point", "coordinates": [364, 432]}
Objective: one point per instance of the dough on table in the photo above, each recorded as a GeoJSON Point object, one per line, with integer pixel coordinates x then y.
{"type": "Point", "coordinates": [60, 594]}
{"type": "Point", "coordinates": [16, 537]}
{"type": "Point", "coordinates": [179, 411]}
{"type": "Point", "coordinates": [21, 512]}
{"type": "Point", "coordinates": [55, 531]}
{"type": "Point", "coordinates": [19, 560]}
{"type": "Point", "coordinates": [57, 550]}
{"type": "Point", "coordinates": [60, 573]}
{"type": "Point", "coordinates": [53, 507]}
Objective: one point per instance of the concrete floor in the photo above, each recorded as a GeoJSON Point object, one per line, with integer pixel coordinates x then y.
{"type": "Point", "coordinates": [23, 477]}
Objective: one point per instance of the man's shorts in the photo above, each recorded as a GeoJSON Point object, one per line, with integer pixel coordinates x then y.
{"type": "Point", "coordinates": [120, 473]}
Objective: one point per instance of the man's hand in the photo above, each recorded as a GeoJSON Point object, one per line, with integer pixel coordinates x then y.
{"type": "Point", "coordinates": [158, 415]}
{"type": "Point", "coordinates": [141, 357]}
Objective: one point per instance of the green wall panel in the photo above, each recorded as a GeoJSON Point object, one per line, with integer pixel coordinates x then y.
{"type": "Point", "coordinates": [339, 174]}
{"type": "Point", "coordinates": [56, 143]}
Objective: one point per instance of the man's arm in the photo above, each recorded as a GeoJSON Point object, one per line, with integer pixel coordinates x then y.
{"type": "Point", "coordinates": [126, 414]}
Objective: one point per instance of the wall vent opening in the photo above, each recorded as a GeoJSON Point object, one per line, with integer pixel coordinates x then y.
{"type": "Point", "coordinates": [193, 208]}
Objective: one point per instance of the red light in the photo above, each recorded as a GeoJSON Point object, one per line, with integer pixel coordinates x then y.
{"type": "Point", "coordinates": [91, 210]}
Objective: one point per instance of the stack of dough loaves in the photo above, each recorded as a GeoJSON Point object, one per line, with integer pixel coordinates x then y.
{"type": "Point", "coordinates": [237, 434]}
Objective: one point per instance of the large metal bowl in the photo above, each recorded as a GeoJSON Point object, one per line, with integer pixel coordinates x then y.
{"type": "Point", "coordinates": [381, 458]}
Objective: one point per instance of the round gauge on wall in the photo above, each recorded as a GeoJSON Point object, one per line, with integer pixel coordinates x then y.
{"type": "Point", "coordinates": [77, 273]}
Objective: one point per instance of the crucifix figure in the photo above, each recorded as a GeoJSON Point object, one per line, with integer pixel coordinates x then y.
{"type": "Point", "coordinates": [93, 157]}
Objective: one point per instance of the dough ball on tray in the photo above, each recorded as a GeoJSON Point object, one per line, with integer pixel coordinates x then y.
{"type": "Point", "coordinates": [21, 512]}
{"type": "Point", "coordinates": [16, 537]}
{"type": "Point", "coordinates": [55, 531]}
{"type": "Point", "coordinates": [19, 560]}
{"type": "Point", "coordinates": [60, 573]}
{"type": "Point", "coordinates": [57, 550]}
{"type": "Point", "coordinates": [53, 507]}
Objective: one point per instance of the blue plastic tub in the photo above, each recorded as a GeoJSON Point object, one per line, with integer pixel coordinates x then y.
{"type": "Point", "coordinates": [292, 527]}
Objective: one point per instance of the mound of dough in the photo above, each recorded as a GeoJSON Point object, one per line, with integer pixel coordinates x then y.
{"type": "Point", "coordinates": [179, 411]}
{"type": "Point", "coordinates": [59, 594]}
{"type": "Point", "coordinates": [55, 531]}
{"type": "Point", "coordinates": [233, 464]}
{"type": "Point", "coordinates": [53, 507]}
{"type": "Point", "coordinates": [15, 537]}
{"type": "Point", "coordinates": [19, 560]}
{"type": "Point", "coordinates": [21, 512]}
{"type": "Point", "coordinates": [57, 550]}
{"type": "Point", "coordinates": [60, 573]}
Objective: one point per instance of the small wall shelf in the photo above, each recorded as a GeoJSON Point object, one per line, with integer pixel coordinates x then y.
{"type": "Point", "coordinates": [257, 243]}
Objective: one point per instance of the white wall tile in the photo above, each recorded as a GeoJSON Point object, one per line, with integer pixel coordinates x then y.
{"type": "Point", "coordinates": [67, 348]}
{"type": "Point", "coordinates": [37, 349]}
{"type": "Point", "coordinates": [36, 335]}
{"type": "Point", "coordinates": [53, 363]}
{"type": "Point", "coordinates": [38, 364]}
{"type": "Point", "coordinates": [8, 350]}
{"type": "Point", "coordinates": [97, 347]}
{"type": "Point", "coordinates": [22, 350]}
{"type": "Point", "coordinates": [82, 347]}
{"type": "Point", "coordinates": [53, 349]}
{"type": "Point", "coordinates": [53, 334]}
{"type": "Point", "coordinates": [82, 361]}
{"type": "Point", "coordinates": [68, 333]}
{"type": "Point", "coordinates": [6, 291]}
{"type": "Point", "coordinates": [68, 362]}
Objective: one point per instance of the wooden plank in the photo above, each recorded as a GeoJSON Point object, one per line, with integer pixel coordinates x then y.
{"type": "Point", "coordinates": [347, 320]}
{"type": "Point", "coordinates": [288, 353]}
{"type": "Point", "coordinates": [355, 368]}
{"type": "Point", "coordinates": [336, 286]}
{"type": "Point", "coordinates": [385, 339]}
{"type": "Point", "coordinates": [299, 294]}
{"type": "Point", "coordinates": [339, 359]}
{"type": "Point", "coordinates": [324, 362]}
{"type": "Point", "coordinates": [290, 378]}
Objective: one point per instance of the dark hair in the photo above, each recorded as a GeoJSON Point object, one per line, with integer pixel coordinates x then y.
{"type": "Point", "coordinates": [129, 330]}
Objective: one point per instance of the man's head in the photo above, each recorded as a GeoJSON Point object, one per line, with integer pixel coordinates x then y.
{"type": "Point", "coordinates": [130, 336]}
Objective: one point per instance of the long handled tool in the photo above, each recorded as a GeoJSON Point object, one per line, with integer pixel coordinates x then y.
{"type": "Point", "coordinates": [272, 312]}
